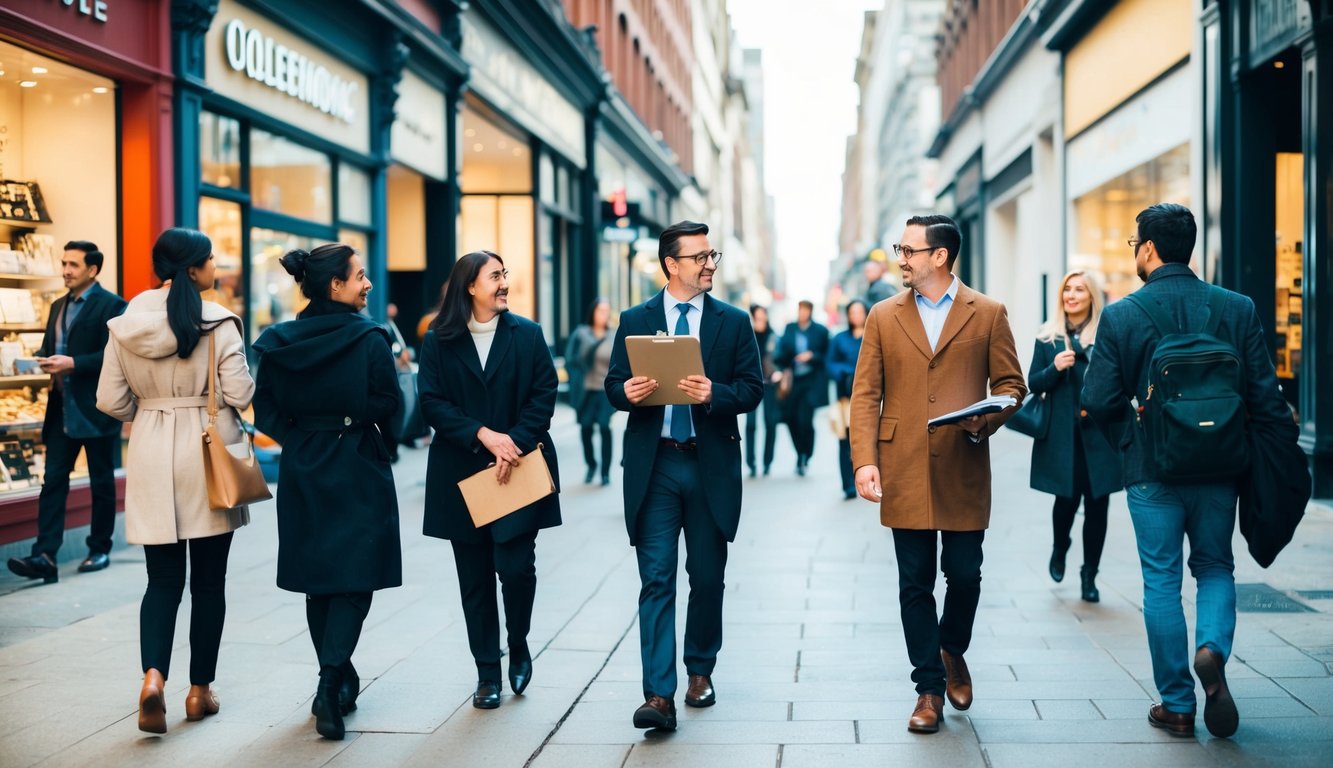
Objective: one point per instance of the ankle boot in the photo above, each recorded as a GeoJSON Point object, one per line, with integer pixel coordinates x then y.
{"type": "Point", "coordinates": [153, 703]}
{"type": "Point", "coordinates": [1090, 593]}
{"type": "Point", "coordinates": [1057, 566]}
{"type": "Point", "coordinates": [328, 715]}
{"type": "Point", "coordinates": [350, 689]}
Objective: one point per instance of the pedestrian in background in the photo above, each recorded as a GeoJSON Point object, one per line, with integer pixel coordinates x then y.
{"type": "Point", "coordinates": [1073, 461]}
{"type": "Point", "coordinates": [155, 373]}
{"type": "Point", "coordinates": [488, 387]}
{"type": "Point", "coordinates": [929, 351]}
{"type": "Point", "coordinates": [770, 411]}
{"type": "Point", "coordinates": [327, 391]}
{"type": "Point", "coordinates": [878, 288]}
{"type": "Point", "coordinates": [683, 468]}
{"type": "Point", "coordinates": [72, 350]}
{"type": "Point", "coordinates": [842, 356]}
{"type": "Point", "coordinates": [804, 349]}
{"type": "Point", "coordinates": [588, 358]}
{"type": "Point", "coordinates": [1166, 511]}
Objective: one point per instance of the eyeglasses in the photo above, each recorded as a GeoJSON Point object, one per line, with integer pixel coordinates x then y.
{"type": "Point", "coordinates": [702, 258]}
{"type": "Point", "coordinates": [907, 251]}
{"type": "Point", "coordinates": [1134, 243]}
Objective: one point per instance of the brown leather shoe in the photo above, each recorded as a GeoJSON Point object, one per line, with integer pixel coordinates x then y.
{"type": "Point", "coordinates": [927, 715]}
{"type": "Point", "coordinates": [152, 703]}
{"type": "Point", "coordinates": [957, 681]}
{"type": "Point", "coordinates": [656, 712]}
{"type": "Point", "coordinates": [200, 701]}
{"type": "Point", "coordinates": [700, 692]}
{"type": "Point", "coordinates": [1174, 723]}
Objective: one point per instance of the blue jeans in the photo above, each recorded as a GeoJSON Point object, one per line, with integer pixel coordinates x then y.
{"type": "Point", "coordinates": [1163, 516]}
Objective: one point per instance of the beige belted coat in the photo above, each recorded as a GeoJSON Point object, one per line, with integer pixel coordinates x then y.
{"type": "Point", "coordinates": [144, 381]}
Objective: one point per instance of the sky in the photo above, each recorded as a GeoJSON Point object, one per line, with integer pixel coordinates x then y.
{"type": "Point", "coordinates": [810, 110]}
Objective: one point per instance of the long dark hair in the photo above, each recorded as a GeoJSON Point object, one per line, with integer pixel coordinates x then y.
{"type": "Point", "coordinates": [175, 252]}
{"type": "Point", "coordinates": [847, 312]}
{"type": "Point", "coordinates": [315, 270]}
{"type": "Point", "coordinates": [592, 310]}
{"type": "Point", "coordinates": [456, 308]}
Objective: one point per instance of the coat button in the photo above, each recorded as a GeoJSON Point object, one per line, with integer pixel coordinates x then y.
{"type": "Point", "coordinates": [932, 398]}
{"type": "Point", "coordinates": [347, 421]}
{"type": "Point", "coordinates": [932, 363]}
{"type": "Point", "coordinates": [932, 430]}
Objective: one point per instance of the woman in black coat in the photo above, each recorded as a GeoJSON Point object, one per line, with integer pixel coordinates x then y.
{"type": "Point", "coordinates": [327, 390]}
{"type": "Point", "coordinates": [1074, 461]}
{"type": "Point", "coordinates": [488, 388]}
{"type": "Point", "coordinates": [771, 410]}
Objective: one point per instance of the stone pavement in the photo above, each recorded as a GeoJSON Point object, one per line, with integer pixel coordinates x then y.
{"type": "Point", "coordinates": [813, 671]}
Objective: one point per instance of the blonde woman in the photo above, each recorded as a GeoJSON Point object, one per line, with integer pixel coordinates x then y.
{"type": "Point", "coordinates": [1074, 461]}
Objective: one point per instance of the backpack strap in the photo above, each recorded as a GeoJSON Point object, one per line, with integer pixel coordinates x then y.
{"type": "Point", "coordinates": [1163, 322]}
{"type": "Point", "coordinates": [1216, 299]}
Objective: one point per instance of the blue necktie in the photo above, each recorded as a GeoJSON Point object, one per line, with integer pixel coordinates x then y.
{"type": "Point", "coordinates": [680, 414]}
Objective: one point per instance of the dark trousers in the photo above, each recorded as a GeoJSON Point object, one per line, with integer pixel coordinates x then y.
{"type": "Point", "coordinates": [479, 563]}
{"type": "Point", "coordinates": [589, 455]}
{"type": "Point", "coordinates": [676, 501]}
{"type": "Point", "coordinates": [801, 415]}
{"type": "Point", "coordinates": [1094, 525]}
{"type": "Point", "coordinates": [845, 465]}
{"type": "Point", "coordinates": [926, 634]}
{"type": "Point", "coordinates": [335, 626]}
{"type": "Point", "coordinates": [770, 428]}
{"type": "Point", "coordinates": [162, 599]}
{"type": "Point", "coordinates": [61, 451]}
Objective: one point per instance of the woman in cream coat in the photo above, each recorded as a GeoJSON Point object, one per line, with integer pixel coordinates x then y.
{"type": "Point", "coordinates": [156, 374]}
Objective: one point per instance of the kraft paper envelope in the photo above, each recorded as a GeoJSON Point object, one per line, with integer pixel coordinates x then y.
{"type": "Point", "coordinates": [488, 501]}
{"type": "Point", "coordinates": [667, 360]}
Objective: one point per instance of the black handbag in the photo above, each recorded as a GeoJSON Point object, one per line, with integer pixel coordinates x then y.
{"type": "Point", "coordinates": [1033, 418]}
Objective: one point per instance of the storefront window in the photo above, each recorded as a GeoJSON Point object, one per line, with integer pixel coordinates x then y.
{"type": "Point", "coordinates": [494, 159]}
{"type": "Point", "coordinates": [1104, 218]}
{"type": "Point", "coordinates": [353, 195]}
{"type": "Point", "coordinates": [275, 296]}
{"type": "Point", "coordinates": [497, 212]}
{"type": "Point", "coordinates": [1290, 269]}
{"type": "Point", "coordinates": [221, 221]}
{"type": "Point", "coordinates": [220, 150]}
{"type": "Point", "coordinates": [290, 179]}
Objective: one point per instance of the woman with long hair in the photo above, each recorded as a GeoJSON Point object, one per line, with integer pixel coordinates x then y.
{"type": "Point", "coordinates": [488, 387]}
{"type": "Point", "coordinates": [843, 352]}
{"type": "Point", "coordinates": [1074, 461]}
{"type": "Point", "coordinates": [327, 391]}
{"type": "Point", "coordinates": [155, 373]}
{"type": "Point", "coordinates": [588, 358]}
{"type": "Point", "coordinates": [772, 412]}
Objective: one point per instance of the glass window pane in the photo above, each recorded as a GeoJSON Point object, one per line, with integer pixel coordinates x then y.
{"type": "Point", "coordinates": [495, 158]}
{"type": "Point", "coordinates": [220, 150]}
{"type": "Point", "coordinates": [353, 195]}
{"type": "Point", "coordinates": [357, 239]}
{"type": "Point", "coordinates": [289, 178]}
{"type": "Point", "coordinates": [221, 221]}
{"type": "Point", "coordinates": [546, 179]}
{"type": "Point", "coordinates": [274, 295]}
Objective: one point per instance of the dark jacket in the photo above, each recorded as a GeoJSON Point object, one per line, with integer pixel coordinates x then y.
{"type": "Point", "coordinates": [843, 352]}
{"type": "Point", "coordinates": [327, 389]}
{"type": "Point", "coordinates": [514, 395]}
{"type": "Point", "coordinates": [817, 340]}
{"type": "Point", "coordinates": [1126, 338]}
{"type": "Point", "coordinates": [86, 343]}
{"type": "Point", "coordinates": [879, 291]}
{"type": "Point", "coordinates": [731, 362]}
{"type": "Point", "coordinates": [1053, 469]}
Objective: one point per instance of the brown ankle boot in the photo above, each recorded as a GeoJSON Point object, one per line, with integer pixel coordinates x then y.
{"type": "Point", "coordinates": [152, 703]}
{"type": "Point", "coordinates": [200, 701]}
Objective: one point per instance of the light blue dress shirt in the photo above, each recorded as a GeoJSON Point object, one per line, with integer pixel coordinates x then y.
{"type": "Point", "coordinates": [694, 318]}
{"type": "Point", "coordinates": [933, 314]}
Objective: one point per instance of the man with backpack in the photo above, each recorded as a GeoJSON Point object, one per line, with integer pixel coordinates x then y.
{"type": "Point", "coordinates": [1179, 369]}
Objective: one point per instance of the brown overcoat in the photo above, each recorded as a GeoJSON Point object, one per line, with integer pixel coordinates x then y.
{"type": "Point", "coordinates": [934, 478]}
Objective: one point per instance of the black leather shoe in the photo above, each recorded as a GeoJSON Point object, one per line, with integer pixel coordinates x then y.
{"type": "Point", "coordinates": [656, 712]}
{"type": "Point", "coordinates": [606, 480]}
{"type": "Point", "coordinates": [328, 715]}
{"type": "Point", "coordinates": [94, 562]}
{"type": "Point", "coordinates": [590, 476]}
{"type": "Point", "coordinates": [1057, 567]}
{"type": "Point", "coordinates": [35, 567]}
{"type": "Point", "coordinates": [349, 690]}
{"type": "Point", "coordinates": [487, 695]}
{"type": "Point", "coordinates": [1219, 709]}
{"type": "Point", "coordinates": [520, 673]}
{"type": "Point", "coordinates": [1089, 577]}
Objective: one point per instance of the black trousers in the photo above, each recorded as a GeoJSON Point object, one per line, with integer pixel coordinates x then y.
{"type": "Point", "coordinates": [845, 465]}
{"type": "Point", "coordinates": [589, 455]}
{"type": "Point", "coordinates": [1094, 525]}
{"type": "Point", "coordinates": [770, 418]}
{"type": "Point", "coordinates": [61, 452]}
{"type": "Point", "coordinates": [926, 634]}
{"type": "Point", "coordinates": [801, 415]}
{"type": "Point", "coordinates": [478, 564]}
{"type": "Point", "coordinates": [208, 604]}
{"type": "Point", "coordinates": [335, 626]}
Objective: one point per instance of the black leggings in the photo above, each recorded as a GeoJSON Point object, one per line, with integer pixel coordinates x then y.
{"type": "Point", "coordinates": [1094, 525]}
{"type": "Point", "coordinates": [162, 599]}
{"type": "Point", "coordinates": [589, 456]}
{"type": "Point", "coordinates": [335, 626]}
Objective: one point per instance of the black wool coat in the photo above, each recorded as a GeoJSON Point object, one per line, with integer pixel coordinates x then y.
{"type": "Point", "coordinates": [337, 504]}
{"type": "Point", "coordinates": [514, 395]}
{"type": "Point", "coordinates": [1053, 469]}
{"type": "Point", "coordinates": [817, 339]}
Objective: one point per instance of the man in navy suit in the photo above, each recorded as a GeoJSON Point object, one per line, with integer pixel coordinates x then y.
{"type": "Point", "coordinates": [669, 451]}
{"type": "Point", "coordinates": [71, 352]}
{"type": "Point", "coordinates": [1165, 512]}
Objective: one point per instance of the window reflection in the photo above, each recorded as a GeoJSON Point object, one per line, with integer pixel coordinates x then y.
{"type": "Point", "coordinates": [289, 178]}
{"type": "Point", "coordinates": [220, 150]}
{"type": "Point", "coordinates": [276, 296]}
{"type": "Point", "coordinates": [221, 221]}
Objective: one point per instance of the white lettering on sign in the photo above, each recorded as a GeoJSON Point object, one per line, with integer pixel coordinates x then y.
{"type": "Point", "coordinates": [266, 61]}
{"type": "Point", "coordinates": [95, 9]}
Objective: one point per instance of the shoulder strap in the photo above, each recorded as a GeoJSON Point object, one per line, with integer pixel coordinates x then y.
{"type": "Point", "coordinates": [1155, 313]}
{"type": "Point", "coordinates": [212, 376]}
{"type": "Point", "coordinates": [1216, 300]}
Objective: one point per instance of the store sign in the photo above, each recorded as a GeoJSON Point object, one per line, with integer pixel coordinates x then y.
{"type": "Point", "coordinates": [417, 138]}
{"type": "Point", "coordinates": [502, 76]}
{"type": "Point", "coordinates": [93, 9]}
{"type": "Point", "coordinates": [266, 67]}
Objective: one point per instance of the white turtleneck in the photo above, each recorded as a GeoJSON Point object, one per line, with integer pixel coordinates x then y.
{"type": "Point", "coordinates": [482, 335]}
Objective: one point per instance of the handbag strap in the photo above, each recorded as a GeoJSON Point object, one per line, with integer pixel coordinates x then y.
{"type": "Point", "coordinates": [212, 375]}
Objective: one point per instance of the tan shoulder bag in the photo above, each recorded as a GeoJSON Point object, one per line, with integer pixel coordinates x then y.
{"type": "Point", "coordinates": [232, 482]}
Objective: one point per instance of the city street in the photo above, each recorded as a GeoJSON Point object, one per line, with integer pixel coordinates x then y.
{"type": "Point", "coordinates": [813, 671]}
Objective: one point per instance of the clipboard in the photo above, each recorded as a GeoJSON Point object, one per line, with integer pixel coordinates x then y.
{"type": "Point", "coordinates": [488, 501]}
{"type": "Point", "coordinates": [667, 360]}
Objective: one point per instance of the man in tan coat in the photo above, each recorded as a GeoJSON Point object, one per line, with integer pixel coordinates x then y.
{"type": "Point", "coordinates": [928, 351]}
